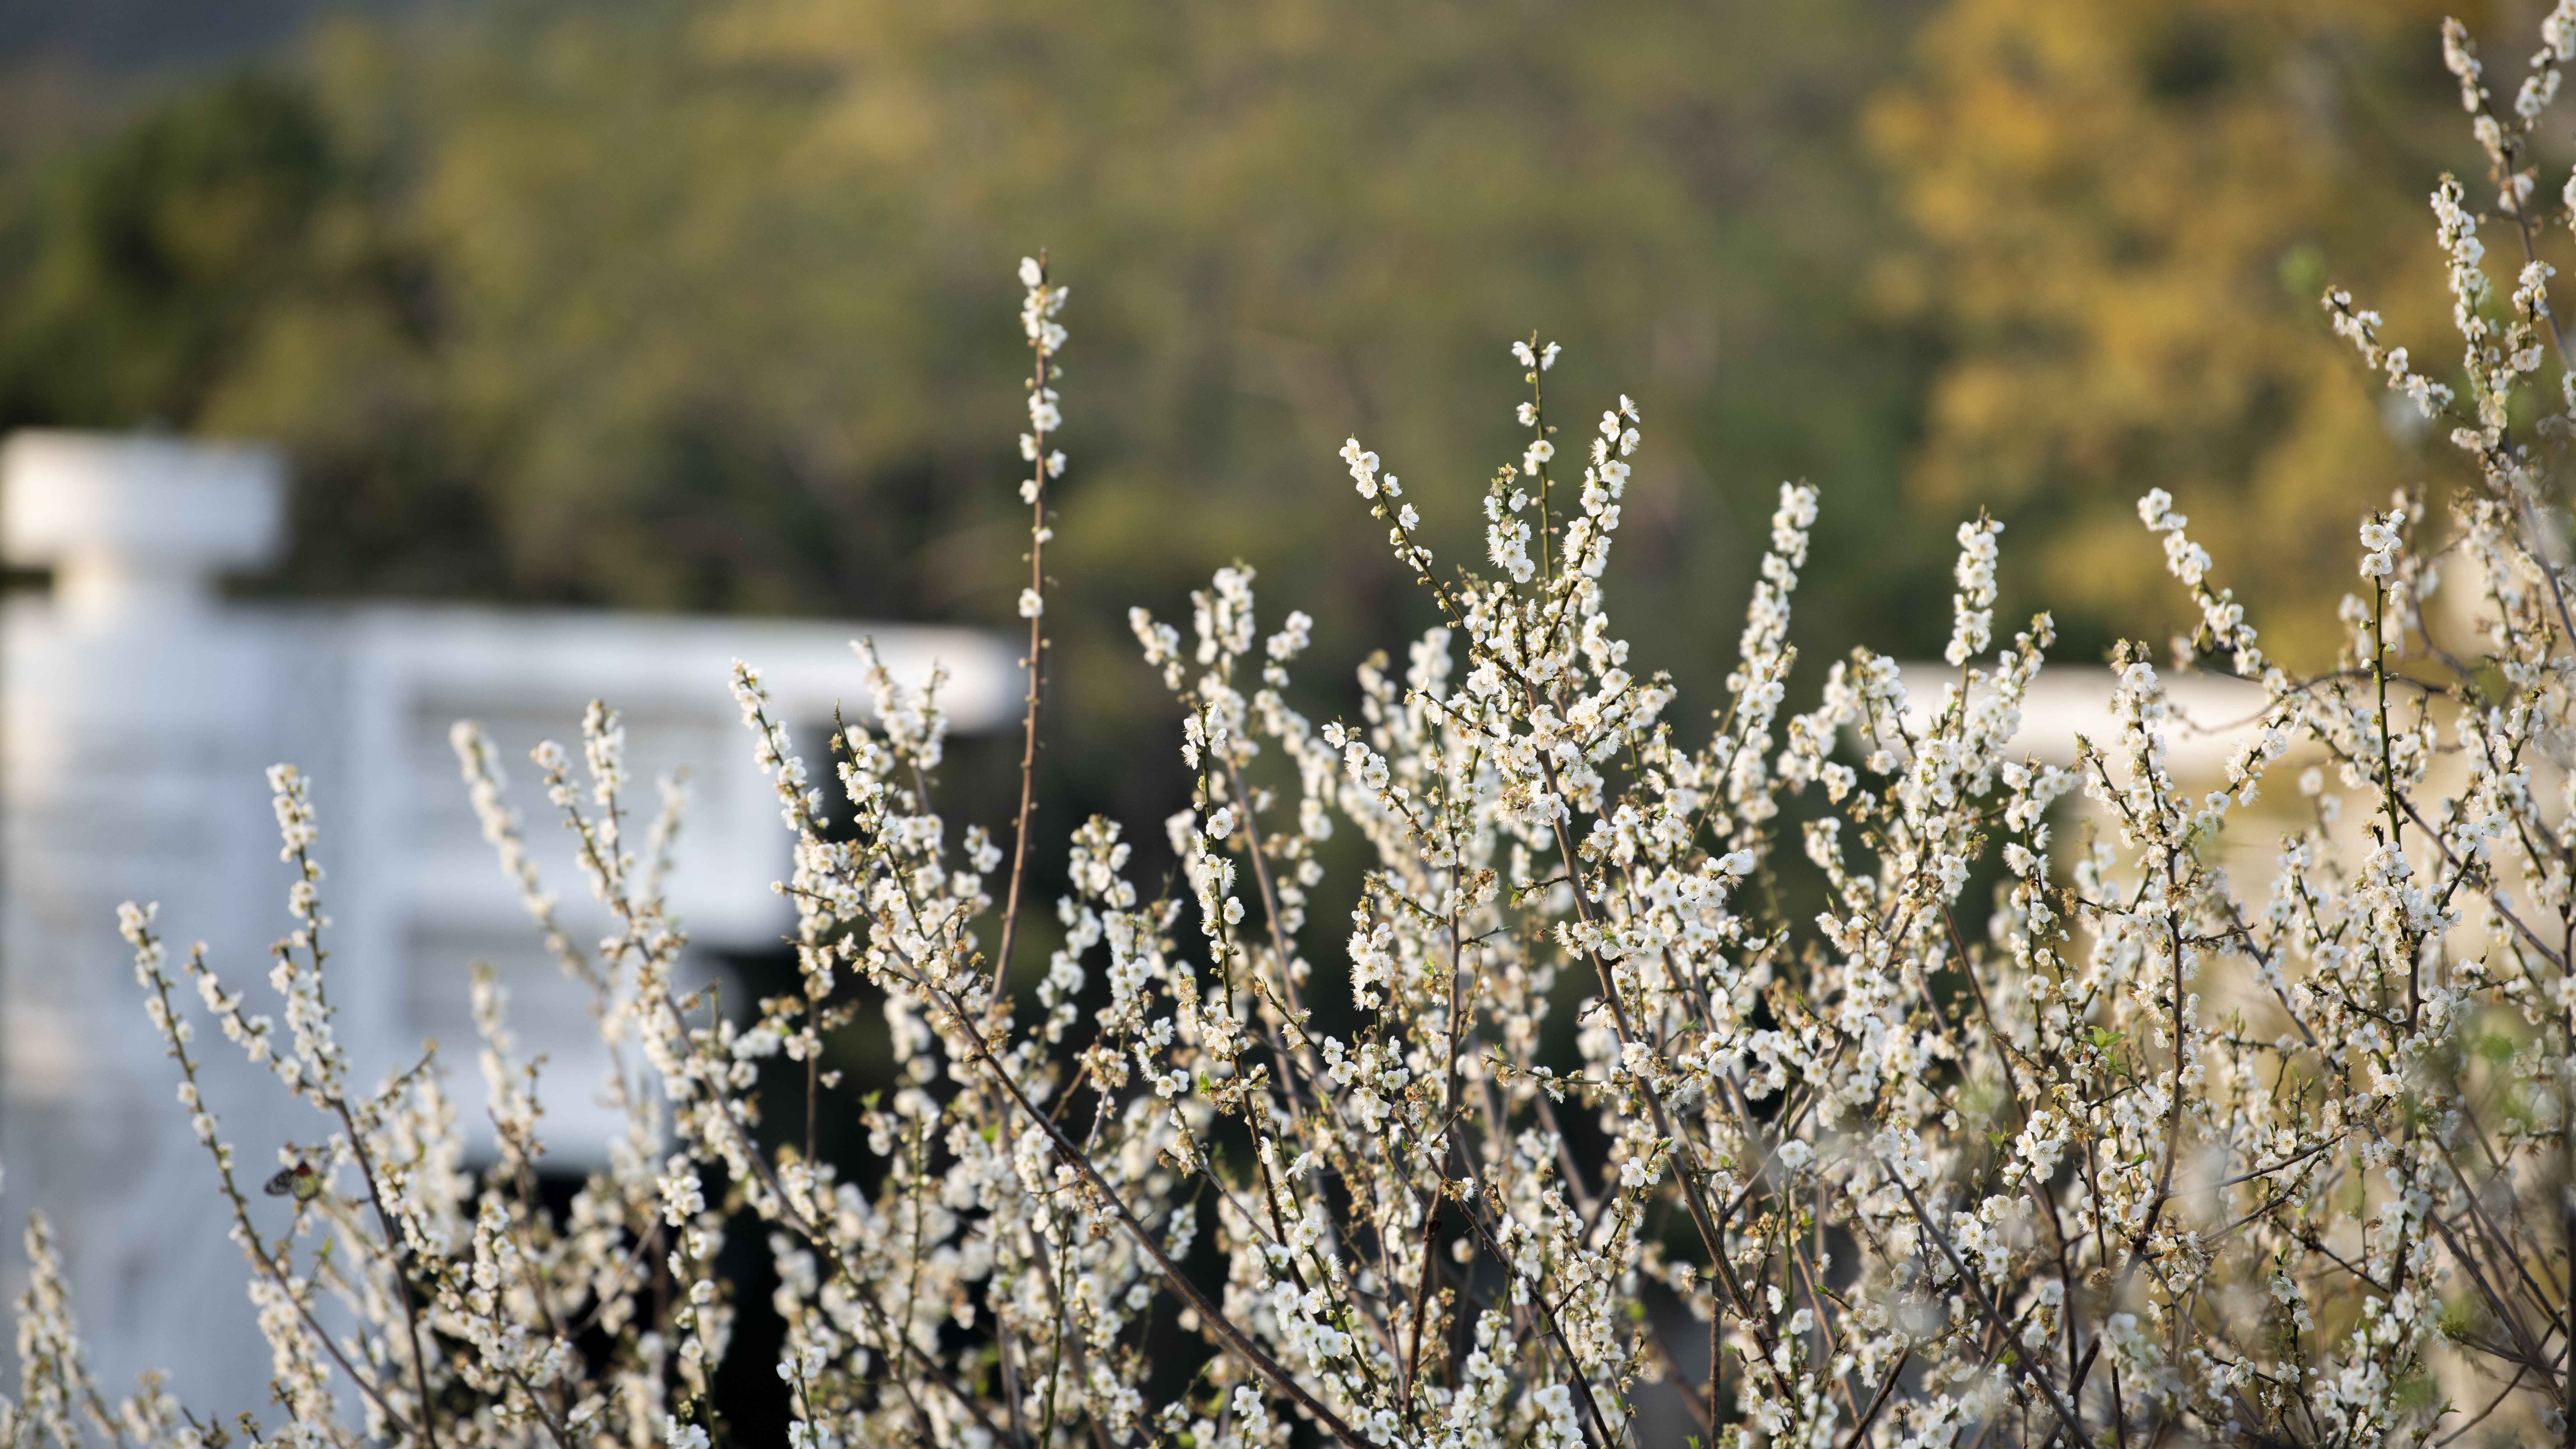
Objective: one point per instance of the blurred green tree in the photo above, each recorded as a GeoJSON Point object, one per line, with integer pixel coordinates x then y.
{"type": "Point", "coordinates": [163, 252]}
{"type": "Point", "coordinates": [226, 264]}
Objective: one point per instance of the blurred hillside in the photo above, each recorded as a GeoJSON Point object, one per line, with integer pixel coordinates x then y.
{"type": "Point", "coordinates": [708, 305]}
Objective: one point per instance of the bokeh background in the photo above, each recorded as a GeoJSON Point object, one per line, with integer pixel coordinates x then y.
{"type": "Point", "coordinates": [709, 306]}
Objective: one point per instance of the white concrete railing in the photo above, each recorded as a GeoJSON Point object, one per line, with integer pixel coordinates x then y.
{"type": "Point", "coordinates": [138, 712]}
{"type": "Point", "coordinates": [2211, 714]}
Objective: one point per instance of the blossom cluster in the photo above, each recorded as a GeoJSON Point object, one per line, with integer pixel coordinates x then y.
{"type": "Point", "coordinates": [1841, 1077]}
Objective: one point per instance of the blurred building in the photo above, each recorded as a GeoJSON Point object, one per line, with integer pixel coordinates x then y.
{"type": "Point", "coordinates": [138, 712]}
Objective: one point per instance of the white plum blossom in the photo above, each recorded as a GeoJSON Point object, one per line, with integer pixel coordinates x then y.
{"type": "Point", "coordinates": [1476, 1051]}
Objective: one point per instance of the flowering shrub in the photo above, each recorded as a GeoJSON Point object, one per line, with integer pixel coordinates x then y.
{"type": "Point", "coordinates": [2149, 1157]}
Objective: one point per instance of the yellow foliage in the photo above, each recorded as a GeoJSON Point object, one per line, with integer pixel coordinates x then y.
{"type": "Point", "coordinates": [2126, 211]}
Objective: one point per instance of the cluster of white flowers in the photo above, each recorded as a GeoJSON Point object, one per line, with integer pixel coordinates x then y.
{"type": "Point", "coordinates": [1624, 1118]}
{"type": "Point", "coordinates": [1972, 609]}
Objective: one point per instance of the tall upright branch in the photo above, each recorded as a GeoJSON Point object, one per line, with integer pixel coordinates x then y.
{"type": "Point", "coordinates": [1046, 337]}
